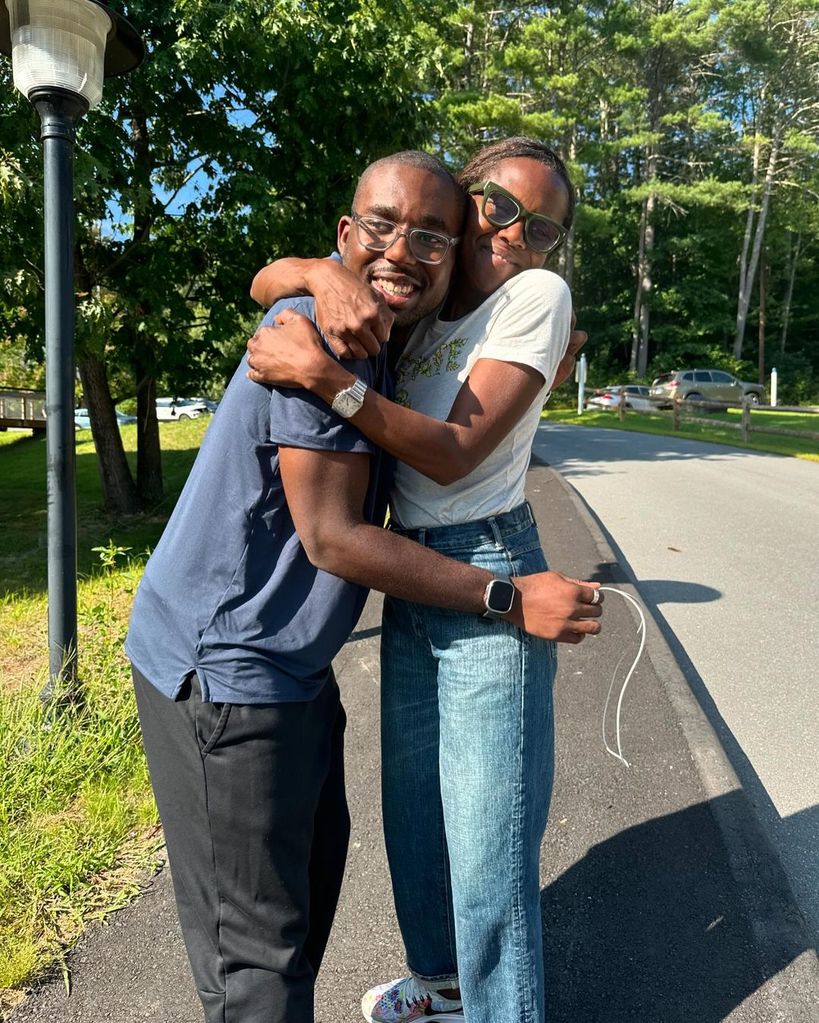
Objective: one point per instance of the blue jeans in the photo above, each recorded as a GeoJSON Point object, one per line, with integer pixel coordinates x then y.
{"type": "Point", "coordinates": [467, 739]}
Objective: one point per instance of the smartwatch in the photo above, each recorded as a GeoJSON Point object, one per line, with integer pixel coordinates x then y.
{"type": "Point", "coordinates": [347, 402]}
{"type": "Point", "coordinates": [498, 597]}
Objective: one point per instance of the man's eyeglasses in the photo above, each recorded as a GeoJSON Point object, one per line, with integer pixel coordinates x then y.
{"type": "Point", "coordinates": [378, 235]}
{"type": "Point", "coordinates": [502, 209]}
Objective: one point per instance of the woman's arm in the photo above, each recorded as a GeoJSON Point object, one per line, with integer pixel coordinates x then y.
{"type": "Point", "coordinates": [486, 408]}
{"type": "Point", "coordinates": [284, 278]}
{"type": "Point", "coordinates": [352, 316]}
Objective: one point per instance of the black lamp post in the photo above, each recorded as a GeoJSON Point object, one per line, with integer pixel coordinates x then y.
{"type": "Point", "coordinates": [61, 50]}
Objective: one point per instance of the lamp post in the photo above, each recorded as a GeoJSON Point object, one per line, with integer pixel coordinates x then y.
{"type": "Point", "coordinates": [61, 51]}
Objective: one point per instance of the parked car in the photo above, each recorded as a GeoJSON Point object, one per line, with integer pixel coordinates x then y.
{"type": "Point", "coordinates": [609, 397]}
{"type": "Point", "coordinates": [703, 384]}
{"type": "Point", "coordinates": [176, 409]}
{"type": "Point", "coordinates": [82, 420]}
{"type": "Point", "coordinates": [210, 405]}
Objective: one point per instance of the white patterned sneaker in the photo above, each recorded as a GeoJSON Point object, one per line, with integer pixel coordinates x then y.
{"type": "Point", "coordinates": [407, 999]}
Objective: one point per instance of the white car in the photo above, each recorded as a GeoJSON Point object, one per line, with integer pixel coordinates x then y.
{"type": "Point", "coordinates": [175, 409]}
{"type": "Point", "coordinates": [609, 397]}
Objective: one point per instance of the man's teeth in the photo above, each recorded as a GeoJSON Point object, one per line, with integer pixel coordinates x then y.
{"type": "Point", "coordinates": [394, 288]}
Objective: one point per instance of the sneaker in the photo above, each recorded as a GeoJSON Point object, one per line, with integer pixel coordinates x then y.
{"type": "Point", "coordinates": [407, 999]}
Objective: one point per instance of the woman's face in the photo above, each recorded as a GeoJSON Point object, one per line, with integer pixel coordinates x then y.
{"type": "Point", "coordinates": [489, 256]}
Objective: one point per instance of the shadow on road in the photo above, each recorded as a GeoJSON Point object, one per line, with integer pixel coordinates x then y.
{"type": "Point", "coordinates": [672, 591]}
{"type": "Point", "coordinates": [624, 446]}
{"type": "Point", "coordinates": [649, 925]}
{"type": "Point", "coordinates": [794, 836]}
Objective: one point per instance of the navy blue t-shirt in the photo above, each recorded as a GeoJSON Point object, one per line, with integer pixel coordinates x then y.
{"type": "Point", "coordinates": [229, 592]}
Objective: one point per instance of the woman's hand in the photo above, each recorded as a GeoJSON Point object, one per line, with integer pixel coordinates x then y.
{"type": "Point", "coordinates": [565, 368]}
{"type": "Point", "coordinates": [289, 354]}
{"type": "Point", "coordinates": [352, 316]}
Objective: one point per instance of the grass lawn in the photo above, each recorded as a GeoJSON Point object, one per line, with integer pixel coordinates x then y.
{"type": "Point", "coordinates": [13, 436]}
{"type": "Point", "coordinates": [660, 423]}
{"type": "Point", "coordinates": [23, 505]}
{"type": "Point", "coordinates": [78, 827]}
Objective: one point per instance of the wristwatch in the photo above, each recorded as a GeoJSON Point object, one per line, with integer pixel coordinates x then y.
{"type": "Point", "coordinates": [347, 402]}
{"type": "Point", "coordinates": [498, 597]}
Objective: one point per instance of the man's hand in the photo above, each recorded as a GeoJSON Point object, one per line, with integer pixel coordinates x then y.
{"type": "Point", "coordinates": [553, 606]}
{"type": "Point", "coordinates": [565, 368]}
{"type": "Point", "coordinates": [352, 316]}
{"type": "Point", "coordinates": [288, 354]}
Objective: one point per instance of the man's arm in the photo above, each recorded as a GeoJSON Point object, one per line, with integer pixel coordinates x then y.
{"type": "Point", "coordinates": [352, 316]}
{"type": "Point", "coordinates": [325, 493]}
{"type": "Point", "coordinates": [488, 405]}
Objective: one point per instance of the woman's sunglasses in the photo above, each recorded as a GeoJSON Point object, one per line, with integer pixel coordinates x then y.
{"type": "Point", "coordinates": [502, 209]}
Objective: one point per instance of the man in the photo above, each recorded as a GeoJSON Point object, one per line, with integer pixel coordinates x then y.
{"type": "Point", "coordinates": [277, 532]}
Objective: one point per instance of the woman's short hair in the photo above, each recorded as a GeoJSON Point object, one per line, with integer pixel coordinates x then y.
{"type": "Point", "coordinates": [479, 168]}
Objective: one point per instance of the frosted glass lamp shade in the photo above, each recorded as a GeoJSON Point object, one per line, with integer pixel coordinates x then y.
{"type": "Point", "coordinates": [59, 44]}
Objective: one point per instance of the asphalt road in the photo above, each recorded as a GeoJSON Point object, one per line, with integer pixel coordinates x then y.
{"type": "Point", "coordinates": [723, 545]}
{"type": "Point", "coordinates": [662, 901]}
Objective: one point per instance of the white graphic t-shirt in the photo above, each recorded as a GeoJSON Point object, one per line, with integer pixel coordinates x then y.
{"type": "Point", "coordinates": [527, 320]}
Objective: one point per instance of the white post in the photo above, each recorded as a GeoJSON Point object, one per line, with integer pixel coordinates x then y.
{"type": "Point", "coordinates": [774, 383]}
{"type": "Point", "coordinates": [580, 377]}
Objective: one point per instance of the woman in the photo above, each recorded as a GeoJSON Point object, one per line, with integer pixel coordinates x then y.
{"type": "Point", "coordinates": [467, 731]}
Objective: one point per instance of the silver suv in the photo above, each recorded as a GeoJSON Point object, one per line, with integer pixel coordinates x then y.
{"type": "Point", "coordinates": [703, 384]}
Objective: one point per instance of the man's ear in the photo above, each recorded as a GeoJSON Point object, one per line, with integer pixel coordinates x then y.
{"type": "Point", "coordinates": [344, 226]}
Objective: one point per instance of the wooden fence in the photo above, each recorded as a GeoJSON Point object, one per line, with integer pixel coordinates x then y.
{"type": "Point", "coordinates": [745, 426]}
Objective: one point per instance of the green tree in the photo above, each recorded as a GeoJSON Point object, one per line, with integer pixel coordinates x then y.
{"type": "Point", "coordinates": [772, 64]}
{"type": "Point", "coordinates": [238, 139]}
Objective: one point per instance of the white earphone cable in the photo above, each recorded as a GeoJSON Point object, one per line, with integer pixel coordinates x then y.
{"type": "Point", "coordinates": [641, 632]}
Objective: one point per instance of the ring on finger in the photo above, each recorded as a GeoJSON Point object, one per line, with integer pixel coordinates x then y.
{"type": "Point", "coordinates": [596, 597]}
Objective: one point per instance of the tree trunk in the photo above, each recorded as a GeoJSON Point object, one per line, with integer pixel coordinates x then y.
{"type": "Point", "coordinates": [759, 235]}
{"type": "Point", "coordinates": [793, 259]}
{"type": "Point", "coordinates": [118, 490]}
{"type": "Point", "coordinates": [638, 362]}
{"type": "Point", "coordinates": [654, 74]}
{"type": "Point", "coordinates": [646, 285]}
{"type": "Point", "coordinates": [149, 453]}
{"type": "Point", "coordinates": [636, 332]}
{"type": "Point", "coordinates": [762, 295]}
{"type": "Point", "coordinates": [744, 282]}
{"type": "Point", "coordinates": [568, 251]}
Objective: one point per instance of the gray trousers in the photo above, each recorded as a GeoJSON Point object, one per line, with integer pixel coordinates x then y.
{"type": "Point", "coordinates": [255, 816]}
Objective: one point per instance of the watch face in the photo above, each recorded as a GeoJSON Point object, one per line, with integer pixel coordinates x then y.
{"type": "Point", "coordinates": [347, 402]}
{"type": "Point", "coordinates": [500, 596]}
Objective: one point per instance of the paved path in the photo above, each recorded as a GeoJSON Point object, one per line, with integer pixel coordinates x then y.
{"type": "Point", "coordinates": [662, 902]}
{"type": "Point", "coordinates": [723, 543]}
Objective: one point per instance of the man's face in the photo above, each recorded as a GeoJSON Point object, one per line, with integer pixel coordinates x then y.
{"type": "Point", "coordinates": [410, 197]}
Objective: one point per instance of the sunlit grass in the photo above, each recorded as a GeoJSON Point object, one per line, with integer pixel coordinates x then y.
{"type": "Point", "coordinates": [77, 820]}
{"type": "Point", "coordinates": [23, 508]}
{"type": "Point", "coordinates": [8, 437]}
